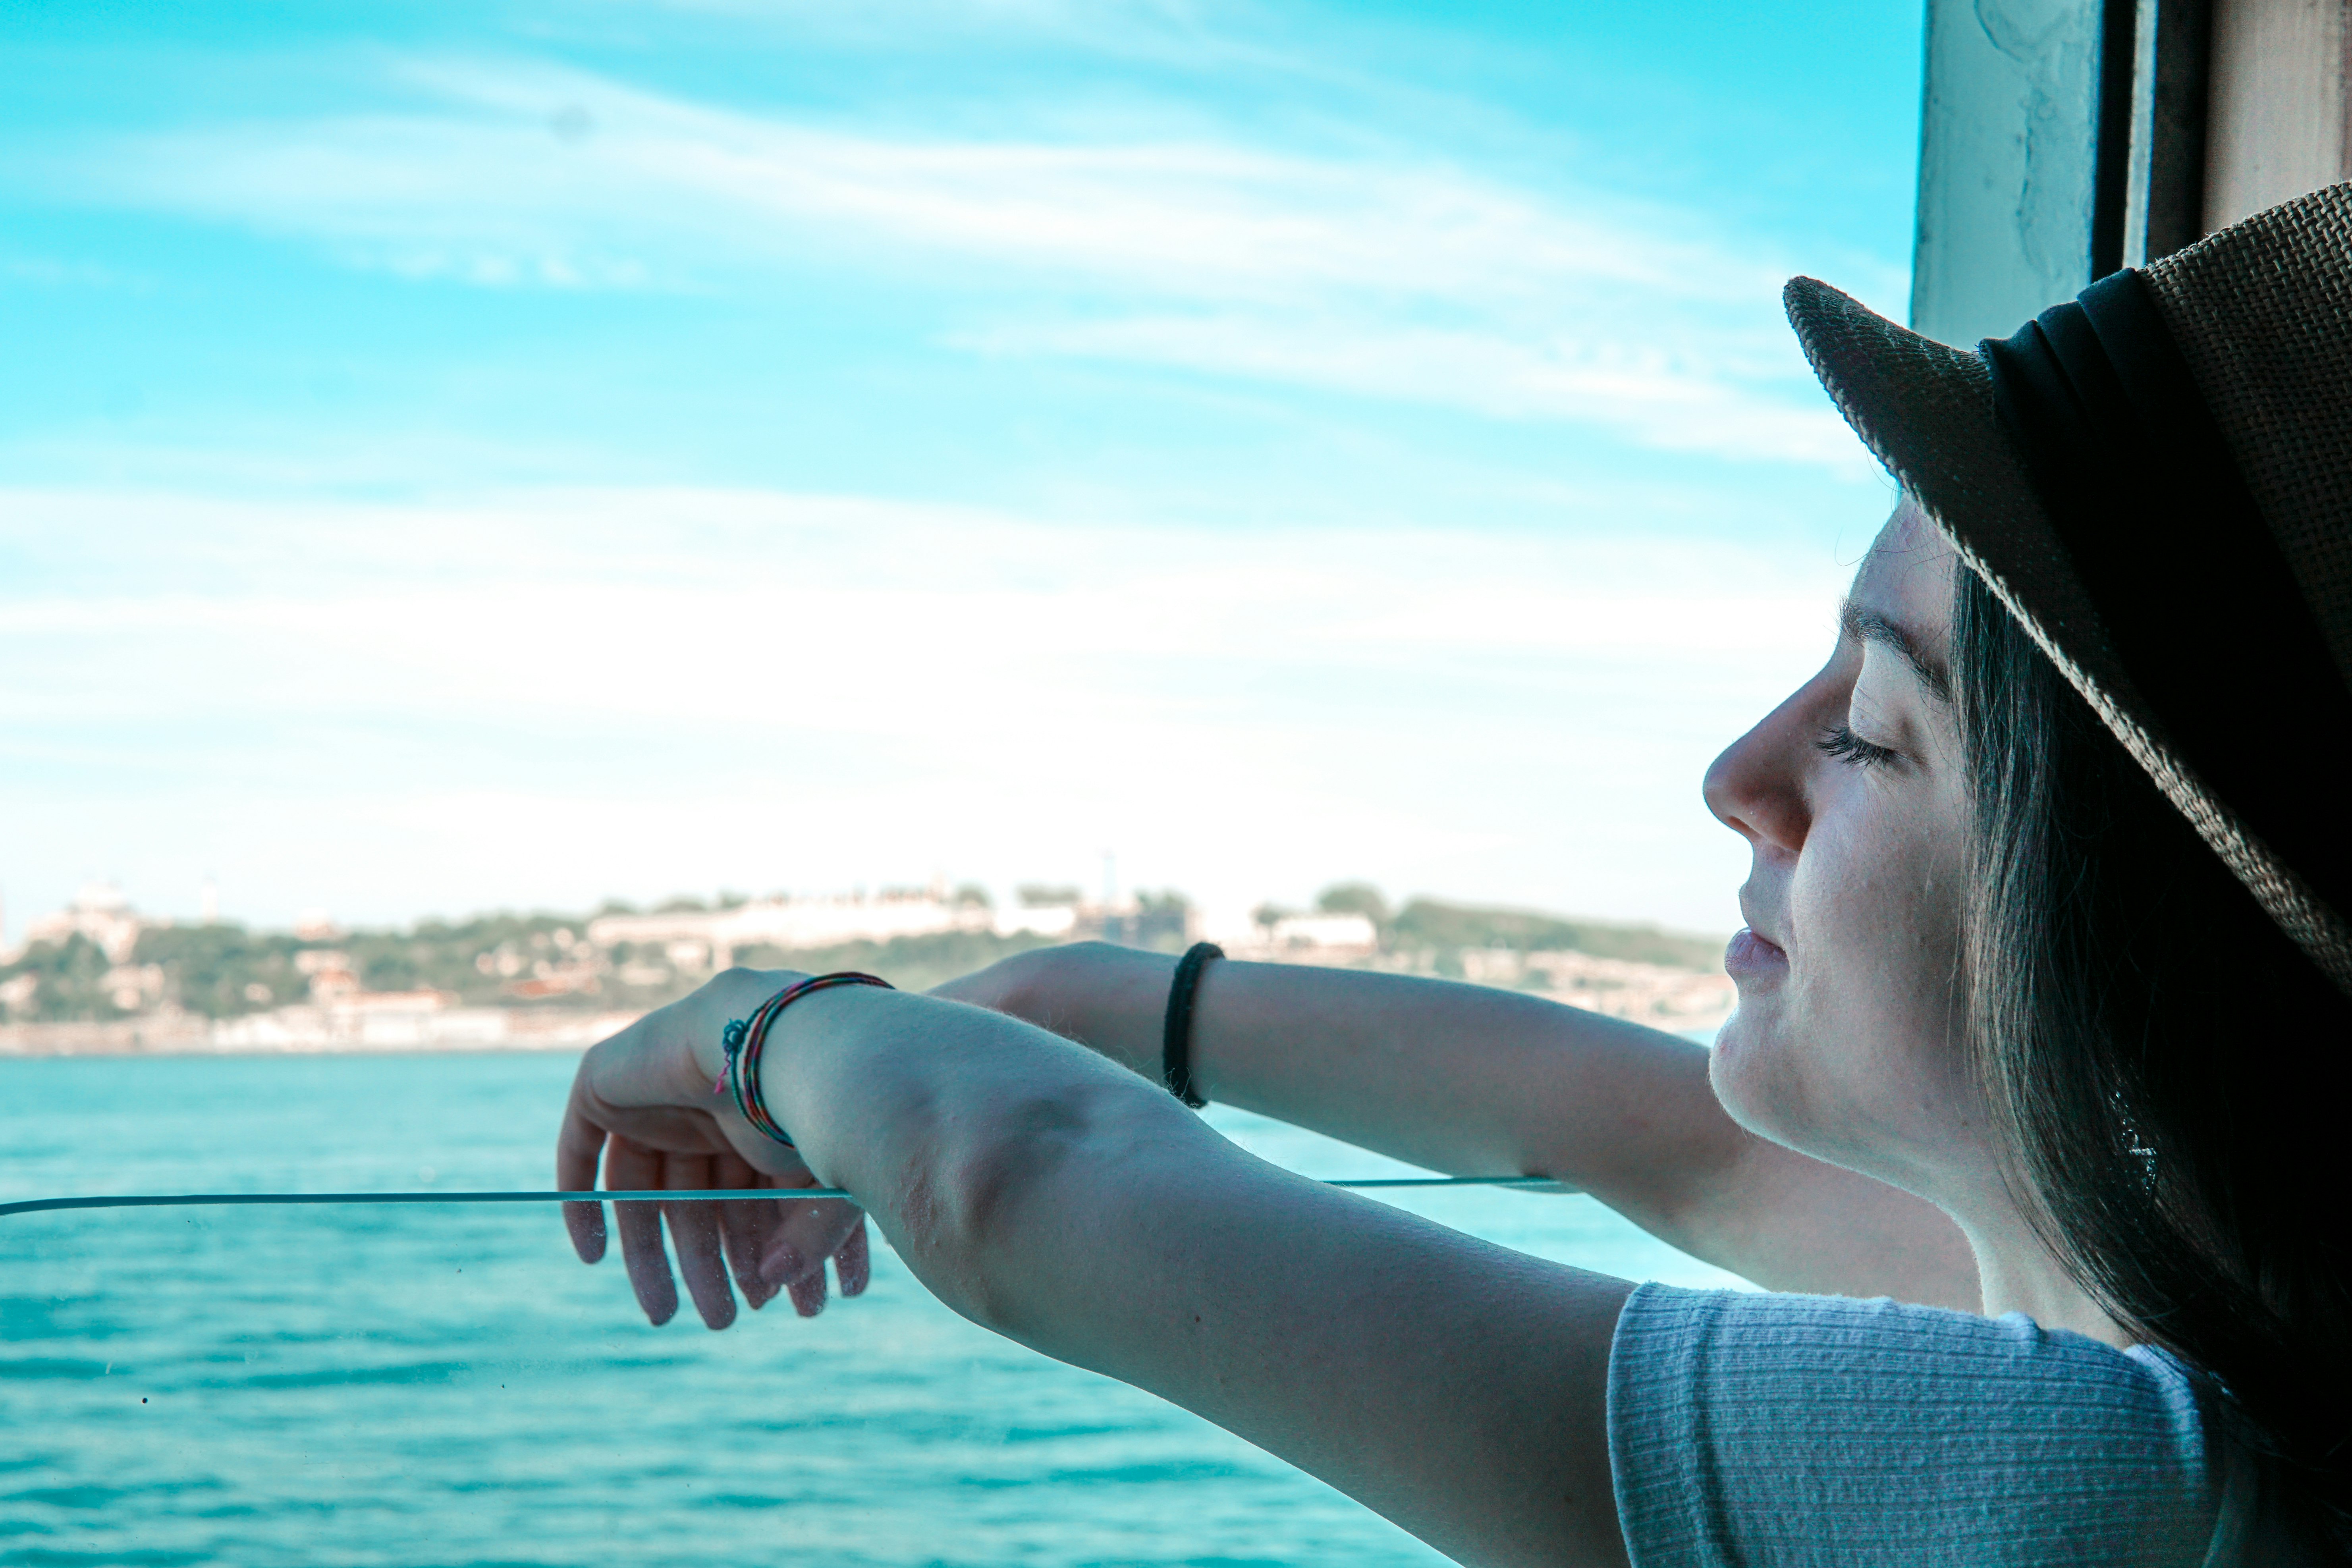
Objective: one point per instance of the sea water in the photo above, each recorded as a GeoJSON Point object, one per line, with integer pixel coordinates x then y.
{"type": "Point", "coordinates": [424, 1385]}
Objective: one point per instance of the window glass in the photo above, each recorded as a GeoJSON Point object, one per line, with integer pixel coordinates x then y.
{"type": "Point", "coordinates": [396, 1385]}
{"type": "Point", "coordinates": [508, 507]}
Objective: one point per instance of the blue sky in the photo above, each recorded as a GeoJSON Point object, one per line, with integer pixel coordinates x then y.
{"type": "Point", "coordinates": [490, 456]}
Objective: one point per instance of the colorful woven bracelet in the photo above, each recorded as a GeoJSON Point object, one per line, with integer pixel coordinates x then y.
{"type": "Point", "coordinates": [745, 1038]}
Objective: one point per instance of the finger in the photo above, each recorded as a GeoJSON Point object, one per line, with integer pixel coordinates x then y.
{"type": "Point", "coordinates": [778, 1164]}
{"type": "Point", "coordinates": [578, 1145]}
{"type": "Point", "coordinates": [694, 1229]}
{"type": "Point", "coordinates": [854, 1264]}
{"type": "Point", "coordinates": [782, 1264]}
{"type": "Point", "coordinates": [761, 1223]}
{"type": "Point", "coordinates": [808, 1290]}
{"type": "Point", "coordinates": [632, 1167]}
{"type": "Point", "coordinates": [809, 1234]}
{"type": "Point", "coordinates": [743, 1228]}
{"type": "Point", "coordinates": [817, 1228]}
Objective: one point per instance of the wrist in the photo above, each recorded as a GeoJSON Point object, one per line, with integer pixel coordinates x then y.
{"type": "Point", "coordinates": [706, 1063]}
{"type": "Point", "coordinates": [1112, 1000]}
{"type": "Point", "coordinates": [705, 1019]}
{"type": "Point", "coordinates": [702, 1021]}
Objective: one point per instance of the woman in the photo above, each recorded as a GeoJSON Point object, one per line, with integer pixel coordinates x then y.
{"type": "Point", "coordinates": [2026, 1118]}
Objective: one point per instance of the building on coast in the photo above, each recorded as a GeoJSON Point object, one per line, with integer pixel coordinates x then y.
{"type": "Point", "coordinates": [695, 940]}
{"type": "Point", "coordinates": [100, 912]}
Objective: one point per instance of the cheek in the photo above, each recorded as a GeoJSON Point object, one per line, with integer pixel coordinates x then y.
{"type": "Point", "coordinates": [1852, 1052]}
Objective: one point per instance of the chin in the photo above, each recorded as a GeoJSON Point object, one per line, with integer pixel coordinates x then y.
{"type": "Point", "coordinates": [1754, 1072]}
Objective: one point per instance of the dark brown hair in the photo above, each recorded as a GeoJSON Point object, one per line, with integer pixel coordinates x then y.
{"type": "Point", "coordinates": [2176, 1075]}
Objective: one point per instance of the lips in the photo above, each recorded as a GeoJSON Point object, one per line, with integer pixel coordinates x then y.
{"type": "Point", "coordinates": [1752, 957]}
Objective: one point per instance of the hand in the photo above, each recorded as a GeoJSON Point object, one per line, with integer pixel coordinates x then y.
{"type": "Point", "coordinates": [642, 1100]}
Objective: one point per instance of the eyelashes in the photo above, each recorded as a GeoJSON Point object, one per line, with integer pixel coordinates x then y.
{"type": "Point", "coordinates": [1839, 741]}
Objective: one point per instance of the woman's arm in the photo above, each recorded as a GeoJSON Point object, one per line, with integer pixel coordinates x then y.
{"type": "Point", "coordinates": [1476, 1082]}
{"type": "Point", "coordinates": [1456, 1387]}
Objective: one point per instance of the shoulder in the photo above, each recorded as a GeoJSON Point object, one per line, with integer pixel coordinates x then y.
{"type": "Point", "coordinates": [1768, 1429]}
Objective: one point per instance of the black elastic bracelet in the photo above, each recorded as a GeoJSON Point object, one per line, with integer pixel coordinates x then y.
{"type": "Point", "coordinates": [1176, 1040]}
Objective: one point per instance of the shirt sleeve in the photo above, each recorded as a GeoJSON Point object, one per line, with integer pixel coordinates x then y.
{"type": "Point", "coordinates": [1773, 1429]}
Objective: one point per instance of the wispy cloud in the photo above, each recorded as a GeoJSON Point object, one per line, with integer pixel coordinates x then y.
{"type": "Point", "coordinates": [561, 695]}
{"type": "Point", "coordinates": [1376, 273]}
{"type": "Point", "coordinates": [1671, 396]}
{"type": "Point", "coordinates": [840, 588]}
{"type": "Point", "coordinates": [53, 272]}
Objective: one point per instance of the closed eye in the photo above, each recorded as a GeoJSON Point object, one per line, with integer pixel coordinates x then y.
{"type": "Point", "coordinates": [1839, 741]}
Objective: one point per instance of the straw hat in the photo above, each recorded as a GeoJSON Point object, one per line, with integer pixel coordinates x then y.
{"type": "Point", "coordinates": [2157, 480]}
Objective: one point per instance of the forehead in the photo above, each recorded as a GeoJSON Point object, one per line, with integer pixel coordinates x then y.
{"type": "Point", "coordinates": [1906, 580]}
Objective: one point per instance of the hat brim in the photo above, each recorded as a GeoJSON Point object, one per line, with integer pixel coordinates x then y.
{"type": "Point", "coordinates": [1925, 411]}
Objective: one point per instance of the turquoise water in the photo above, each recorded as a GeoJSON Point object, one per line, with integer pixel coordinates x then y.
{"type": "Point", "coordinates": [409, 1386]}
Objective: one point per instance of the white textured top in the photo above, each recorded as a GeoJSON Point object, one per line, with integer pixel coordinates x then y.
{"type": "Point", "coordinates": [1757, 1430]}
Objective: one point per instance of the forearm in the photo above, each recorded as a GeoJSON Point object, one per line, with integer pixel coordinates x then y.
{"type": "Point", "coordinates": [1478, 1081]}
{"type": "Point", "coordinates": [1462, 1079]}
{"type": "Point", "coordinates": [1426, 1071]}
{"type": "Point", "coordinates": [1456, 1387]}
{"type": "Point", "coordinates": [913, 1104]}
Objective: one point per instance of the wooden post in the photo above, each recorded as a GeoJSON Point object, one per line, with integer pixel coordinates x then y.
{"type": "Point", "coordinates": [2276, 123]}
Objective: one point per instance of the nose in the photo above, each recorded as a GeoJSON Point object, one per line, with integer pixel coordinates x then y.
{"type": "Point", "coordinates": [1758, 786]}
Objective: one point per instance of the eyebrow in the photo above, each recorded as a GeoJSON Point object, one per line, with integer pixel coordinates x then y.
{"type": "Point", "coordinates": [1867, 626]}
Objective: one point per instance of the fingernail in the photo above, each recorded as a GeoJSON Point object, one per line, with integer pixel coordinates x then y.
{"type": "Point", "coordinates": [783, 1263]}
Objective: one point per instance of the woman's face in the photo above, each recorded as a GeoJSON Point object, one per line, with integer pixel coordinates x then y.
{"type": "Point", "coordinates": [1853, 797]}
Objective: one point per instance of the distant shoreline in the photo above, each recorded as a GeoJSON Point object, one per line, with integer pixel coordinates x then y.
{"type": "Point", "coordinates": [1701, 1003]}
{"type": "Point", "coordinates": [455, 1032]}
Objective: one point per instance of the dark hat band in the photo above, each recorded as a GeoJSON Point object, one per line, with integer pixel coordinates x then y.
{"type": "Point", "coordinates": [2197, 600]}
